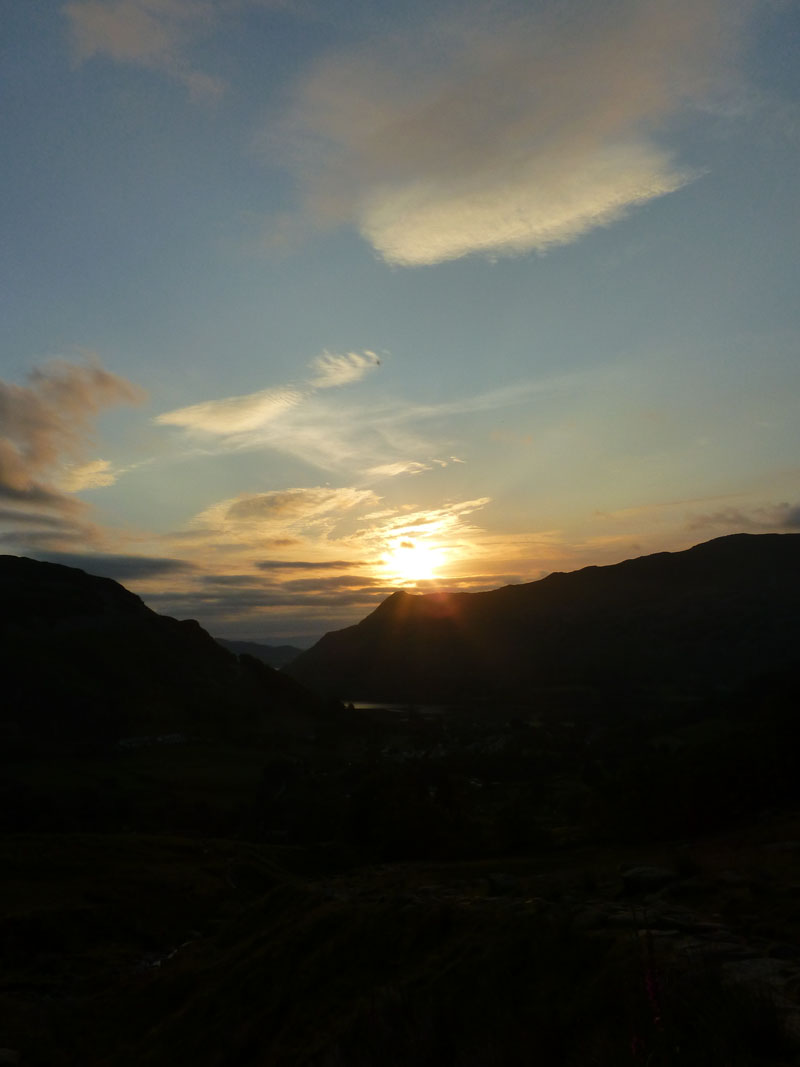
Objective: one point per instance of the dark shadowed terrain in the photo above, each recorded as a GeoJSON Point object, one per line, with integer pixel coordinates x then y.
{"type": "Point", "coordinates": [272, 655]}
{"type": "Point", "coordinates": [709, 617]}
{"type": "Point", "coordinates": [577, 856]}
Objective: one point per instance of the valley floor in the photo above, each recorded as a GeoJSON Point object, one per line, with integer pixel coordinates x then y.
{"type": "Point", "coordinates": [484, 887]}
{"type": "Point", "coordinates": [123, 949]}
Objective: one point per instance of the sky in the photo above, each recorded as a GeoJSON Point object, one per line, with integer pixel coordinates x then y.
{"type": "Point", "coordinates": [305, 301]}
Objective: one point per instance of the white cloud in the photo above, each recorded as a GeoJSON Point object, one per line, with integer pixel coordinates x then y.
{"type": "Point", "coordinates": [94, 475]}
{"type": "Point", "coordinates": [334, 370]}
{"type": "Point", "coordinates": [447, 521]}
{"type": "Point", "coordinates": [501, 133]}
{"type": "Point", "coordinates": [233, 414]}
{"type": "Point", "coordinates": [391, 470]}
{"type": "Point", "coordinates": [540, 206]}
{"type": "Point", "coordinates": [378, 440]}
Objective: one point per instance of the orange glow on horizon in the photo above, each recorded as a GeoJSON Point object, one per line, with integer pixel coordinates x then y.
{"type": "Point", "coordinates": [409, 562]}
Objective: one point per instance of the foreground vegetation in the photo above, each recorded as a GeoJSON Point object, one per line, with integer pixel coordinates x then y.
{"type": "Point", "coordinates": [449, 886]}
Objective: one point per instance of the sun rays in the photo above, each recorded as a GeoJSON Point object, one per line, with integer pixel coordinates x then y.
{"type": "Point", "coordinates": [409, 561]}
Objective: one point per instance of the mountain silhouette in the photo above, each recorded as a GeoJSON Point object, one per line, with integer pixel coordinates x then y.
{"type": "Point", "coordinates": [712, 616]}
{"type": "Point", "coordinates": [273, 655]}
{"type": "Point", "coordinates": [85, 659]}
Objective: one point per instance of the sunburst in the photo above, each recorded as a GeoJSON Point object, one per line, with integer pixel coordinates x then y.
{"type": "Point", "coordinates": [410, 561]}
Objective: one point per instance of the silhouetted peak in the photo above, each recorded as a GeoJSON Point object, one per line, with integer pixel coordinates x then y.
{"type": "Point", "coordinates": [31, 590]}
{"type": "Point", "coordinates": [711, 615]}
{"type": "Point", "coordinates": [394, 602]}
{"type": "Point", "coordinates": [85, 658]}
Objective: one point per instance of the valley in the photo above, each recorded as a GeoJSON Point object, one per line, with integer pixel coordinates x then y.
{"type": "Point", "coordinates": [598, 873]}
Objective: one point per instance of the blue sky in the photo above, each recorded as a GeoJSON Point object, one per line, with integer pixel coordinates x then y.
{"type": "Point", "coordinates": [304, 302]}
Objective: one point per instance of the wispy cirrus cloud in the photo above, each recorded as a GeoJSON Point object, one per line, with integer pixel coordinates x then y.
{"type": "Point", "coordinates": [381, 440]}
{"type": "Point", "coordinates": [156, 34]}
{"type": "Point", "coordinates": [388, 437]}
{"type": "Point", "coordinates": [502, 130]}
{"type": "Point", "coordinates": [300, 420]}
{"type": "Point", "coordinates": [235, 416]}
{"type": "Point", "coordinates": [451, 520]}
{"type": "Point", "coordinates": [391, 470]}
{"type": "Point", "coordinates": [96, 474]}
{"type": "Point", "coordinates": [334, 370]}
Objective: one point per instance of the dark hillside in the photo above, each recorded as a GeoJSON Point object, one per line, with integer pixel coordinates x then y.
{"type": "Point", "coordinates": [85, 660]}
{"type": "Point", "coordinates": [584, 882]}
{"type": "Point", "coordinates": [714, 615]}
{"type": "Point", "coordinates": [273, 655]}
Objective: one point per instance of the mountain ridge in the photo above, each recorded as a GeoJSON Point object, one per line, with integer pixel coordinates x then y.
{"type": "Point", "coordinates": [276, 656]}
{"type": "Point", "coordinates": [713, 614]}
{"type": "Point", "coordinates": [84, 659]}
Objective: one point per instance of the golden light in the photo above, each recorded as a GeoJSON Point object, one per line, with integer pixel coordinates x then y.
{"type": "Point", "coordinates": [410, 561]}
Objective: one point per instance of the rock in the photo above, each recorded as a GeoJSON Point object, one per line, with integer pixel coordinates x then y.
{"type": "Point", "coordinates": [761, 972]}
{"type": "Point", "coordinates": [707, 929]}
{"type": "Point", "coordinates": [733, 878]}
{"type": "Point", "coordinates": [499, 884]}
{"type": "Point", "coordinates": [624, 919]}
{"type": "Point", "coordinates": [646, 879]}
{"type": "Point", "coordinates": [722, 951]}
{"type": "Point", "coordinates": [685, 920]}
{"type": "Point", "coordinates": [782, 846]}
{"type": "Point", "coordinates": [698, 886]}
{"type": "Point", "coordinates": [591, 919]}
{"type": "Point", "coordinates": [782, 950]}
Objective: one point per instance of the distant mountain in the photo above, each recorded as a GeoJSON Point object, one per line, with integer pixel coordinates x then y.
{"type": "Point", "coordinates": [273, 655]}
{"type": "Point", "coordinates": [720, 613]}
{"type": "Point", "coordinates": [84, 658]}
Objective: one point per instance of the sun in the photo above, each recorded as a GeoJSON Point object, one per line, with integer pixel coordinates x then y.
{"type": "Point", "coordinates": [413, 562]}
